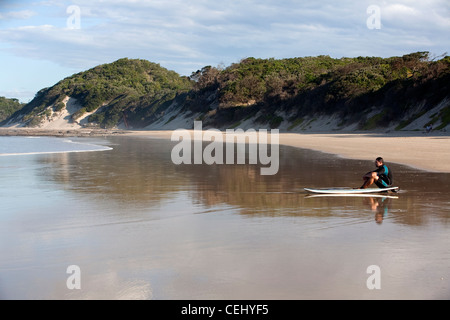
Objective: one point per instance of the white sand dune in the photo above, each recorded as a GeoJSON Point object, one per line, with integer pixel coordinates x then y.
{"type": "Point", "coordinates": [62, 120]}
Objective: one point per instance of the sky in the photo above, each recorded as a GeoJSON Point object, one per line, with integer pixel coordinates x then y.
{"type": "Point", "coordinates": [45, 41]}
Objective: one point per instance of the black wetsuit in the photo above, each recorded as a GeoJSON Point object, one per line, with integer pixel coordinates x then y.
{"type": "Point", "coordinates": [385, 178]}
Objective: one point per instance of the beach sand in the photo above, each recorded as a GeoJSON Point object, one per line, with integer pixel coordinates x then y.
{"type": "Point", "coordinates": [430, 152]}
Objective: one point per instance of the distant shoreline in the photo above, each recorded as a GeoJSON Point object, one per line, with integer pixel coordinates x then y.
{"type": "Point", "coordinates": [60, 132]}
{"type": "Point", "coordinates": [429, 152]}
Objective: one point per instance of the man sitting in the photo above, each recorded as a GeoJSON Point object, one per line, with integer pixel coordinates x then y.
{"type": "Point", "coordinates": [382, 176]}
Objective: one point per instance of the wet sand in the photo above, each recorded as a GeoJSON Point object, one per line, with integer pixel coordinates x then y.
{"type": "Point", "coordinates": [430, 152]}
{"type": "Point", "coordinates": [140, 227]}
{"type": "Point", "coordinates": [417, 150]}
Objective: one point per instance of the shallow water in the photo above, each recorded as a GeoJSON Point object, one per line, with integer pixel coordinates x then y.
{"type": "Point", "coordinates": [44, 145]}
{"type": "Point", "coordinates": [140, 227]}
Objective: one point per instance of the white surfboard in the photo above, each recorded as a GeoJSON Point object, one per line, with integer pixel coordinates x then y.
{"type": "Point", "coordinates": [348, 195]}
{"type": "Point", "coordinates": [350, 190]}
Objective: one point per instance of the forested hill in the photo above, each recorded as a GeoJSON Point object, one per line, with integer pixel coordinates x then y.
{"type": "Point", "coordinates": [309, 93]}
{"type": "Point", "coordinates": [8, 107]}
{"type": "Point", "coordinates": [106, 94]}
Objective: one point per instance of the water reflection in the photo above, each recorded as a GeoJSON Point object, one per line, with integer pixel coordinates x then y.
{"type": "Point", "coordinates": [380, 206]}
{"type": "Point", "coordinates": [138, 173]}
{"type": "Point", "coordinates": [141, 227]}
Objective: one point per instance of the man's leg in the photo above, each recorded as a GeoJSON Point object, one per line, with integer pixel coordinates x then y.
{"type": "Point", "coordinates": [367, 182]}
{"type": "Point", "coordinates": [369, 179]}
{"type": "Point", "coordinates": [381, 183]}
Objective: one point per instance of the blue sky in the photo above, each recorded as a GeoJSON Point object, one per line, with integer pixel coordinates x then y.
{"type": "Point", "coordinates": [42, 42]}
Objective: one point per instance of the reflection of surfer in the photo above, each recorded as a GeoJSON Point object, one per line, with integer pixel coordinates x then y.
{"type": "Point", "coordinates": [380, 206]}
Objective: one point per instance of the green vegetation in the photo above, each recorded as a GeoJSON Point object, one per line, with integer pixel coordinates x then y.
{"type": "Point", "coordinates": [273, 120]}
{"type": "Point", "coordinates": [139, 92]}
{"type": "Point", "coordinates": [295, 123]}
{"type": "Point", "coordinates": [445, 117]}
{"type": "Point", "coordinates": [8, 107]}
{"type": "Point", "coordinates": [137, 88]}
{"type": "Point", "coordinates": [310, 86]}
{"type": "Point", "coordinates": [59, 106]}
{"type": "Point", "coordinates": [258, 79]}
{"type": "Point", "coordinates": [373, 121]}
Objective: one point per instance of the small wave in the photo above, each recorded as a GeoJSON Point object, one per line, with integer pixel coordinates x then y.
{"type": "Point", "coordinates": [50, 152]}
{"type": "Point", "coordinates": [12, 146]}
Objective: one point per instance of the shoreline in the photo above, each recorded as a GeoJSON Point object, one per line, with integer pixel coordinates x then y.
{"type": "Point", "coordinates": [34, 132]}
{"type": "Point", "coordinates": [428, 152]}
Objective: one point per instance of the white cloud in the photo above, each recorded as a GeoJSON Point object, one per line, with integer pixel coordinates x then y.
{"type": "Point", "coordinates": [23, 14]}
{"type": "Point", "coordinates": [396, 10]}
{"type": "Point", "coordinates": [418, 16]}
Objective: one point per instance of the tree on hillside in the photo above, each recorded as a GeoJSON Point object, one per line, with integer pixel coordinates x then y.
{"type": "Point", "coordinates": [8, 107]}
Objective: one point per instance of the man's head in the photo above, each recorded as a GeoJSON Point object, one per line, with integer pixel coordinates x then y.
{"type": "Point", "coordinates": [379, 161]}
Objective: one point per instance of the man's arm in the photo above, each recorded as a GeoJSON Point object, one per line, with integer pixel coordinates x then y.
{"type": "Point", "coordinates": [381, 170]}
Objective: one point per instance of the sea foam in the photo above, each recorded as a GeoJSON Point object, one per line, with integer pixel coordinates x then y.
{"type": "Point", "coordinates": [45, 145]}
